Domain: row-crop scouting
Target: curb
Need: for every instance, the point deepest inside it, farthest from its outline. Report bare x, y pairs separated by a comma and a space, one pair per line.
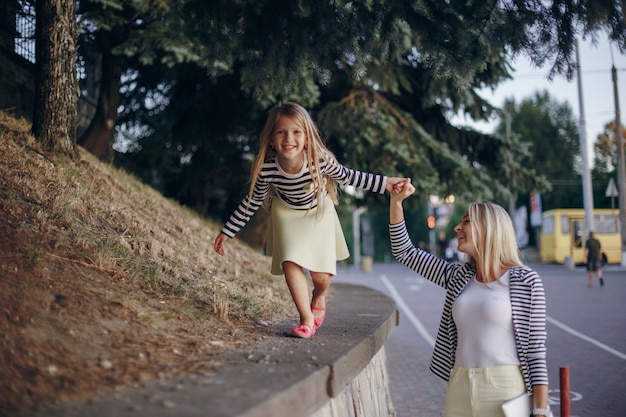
280, 376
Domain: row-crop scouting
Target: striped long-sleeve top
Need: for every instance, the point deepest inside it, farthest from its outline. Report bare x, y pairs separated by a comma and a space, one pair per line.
528, 306
296, 190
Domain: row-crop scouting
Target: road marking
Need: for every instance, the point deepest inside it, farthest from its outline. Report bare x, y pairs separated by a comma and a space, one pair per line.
407, 311
586, 338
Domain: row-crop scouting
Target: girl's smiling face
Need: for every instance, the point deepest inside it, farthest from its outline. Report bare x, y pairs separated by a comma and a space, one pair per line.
289, 140
464, 236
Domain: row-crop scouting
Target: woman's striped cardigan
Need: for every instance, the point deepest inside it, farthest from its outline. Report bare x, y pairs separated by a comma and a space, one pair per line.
527, 302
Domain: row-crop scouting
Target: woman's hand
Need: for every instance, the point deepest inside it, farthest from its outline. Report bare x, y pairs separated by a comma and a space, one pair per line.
219, 243
394, 183
400, 191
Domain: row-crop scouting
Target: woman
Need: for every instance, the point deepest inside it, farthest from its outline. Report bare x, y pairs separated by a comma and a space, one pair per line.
491, 341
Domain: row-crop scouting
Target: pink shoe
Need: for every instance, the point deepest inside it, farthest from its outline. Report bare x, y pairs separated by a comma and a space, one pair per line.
319, 320
303, 331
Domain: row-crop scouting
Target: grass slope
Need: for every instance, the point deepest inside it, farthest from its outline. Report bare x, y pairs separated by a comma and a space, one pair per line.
104, 282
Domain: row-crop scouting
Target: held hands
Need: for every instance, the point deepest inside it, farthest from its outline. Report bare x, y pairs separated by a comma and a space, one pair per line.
219, 243
401, 190
392, 183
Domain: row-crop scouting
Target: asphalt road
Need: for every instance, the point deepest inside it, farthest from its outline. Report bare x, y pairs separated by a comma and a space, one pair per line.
586, 338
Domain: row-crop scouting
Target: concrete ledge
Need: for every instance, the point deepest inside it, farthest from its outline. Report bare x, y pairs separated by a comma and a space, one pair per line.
281, 376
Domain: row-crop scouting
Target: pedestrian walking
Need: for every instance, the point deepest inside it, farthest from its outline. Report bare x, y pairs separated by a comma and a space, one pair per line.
593, 259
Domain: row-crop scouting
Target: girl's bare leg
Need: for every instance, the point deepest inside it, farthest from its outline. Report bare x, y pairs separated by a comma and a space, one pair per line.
299, 289
321, 282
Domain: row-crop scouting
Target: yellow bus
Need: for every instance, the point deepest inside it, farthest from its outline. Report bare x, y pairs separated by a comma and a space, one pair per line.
563, 234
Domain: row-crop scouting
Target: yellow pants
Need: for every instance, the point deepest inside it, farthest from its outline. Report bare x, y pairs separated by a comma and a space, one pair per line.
480, 392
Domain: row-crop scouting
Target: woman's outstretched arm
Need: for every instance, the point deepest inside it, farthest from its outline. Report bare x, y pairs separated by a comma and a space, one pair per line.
396, 197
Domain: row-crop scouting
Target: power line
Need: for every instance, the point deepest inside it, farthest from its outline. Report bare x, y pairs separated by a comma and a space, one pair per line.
596, 71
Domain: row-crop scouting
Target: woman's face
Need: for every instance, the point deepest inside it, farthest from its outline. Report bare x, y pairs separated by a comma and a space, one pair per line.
464, 236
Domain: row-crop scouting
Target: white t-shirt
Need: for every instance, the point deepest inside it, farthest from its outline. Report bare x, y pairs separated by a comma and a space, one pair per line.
483, 317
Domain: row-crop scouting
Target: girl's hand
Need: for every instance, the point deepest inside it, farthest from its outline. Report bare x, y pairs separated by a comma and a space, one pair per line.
394, 184
402, 190
219, 243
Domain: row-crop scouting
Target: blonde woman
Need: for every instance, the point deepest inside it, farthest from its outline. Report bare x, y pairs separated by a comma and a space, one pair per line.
490, 347
300, 175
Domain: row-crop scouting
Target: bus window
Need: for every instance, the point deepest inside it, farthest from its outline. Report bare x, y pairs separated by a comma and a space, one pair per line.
605, 223
547, 225
578, 235
565, 224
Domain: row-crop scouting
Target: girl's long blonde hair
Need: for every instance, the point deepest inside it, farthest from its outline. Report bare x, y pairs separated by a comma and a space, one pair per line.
493, 236
314, 148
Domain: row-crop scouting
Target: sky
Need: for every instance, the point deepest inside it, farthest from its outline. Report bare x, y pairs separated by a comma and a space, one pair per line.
597, 88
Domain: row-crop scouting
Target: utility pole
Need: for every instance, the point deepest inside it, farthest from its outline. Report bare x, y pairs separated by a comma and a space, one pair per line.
621, 175
356, 232
586, 175
512, 199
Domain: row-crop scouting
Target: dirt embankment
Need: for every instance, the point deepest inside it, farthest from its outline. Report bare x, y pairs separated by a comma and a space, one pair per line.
103, 282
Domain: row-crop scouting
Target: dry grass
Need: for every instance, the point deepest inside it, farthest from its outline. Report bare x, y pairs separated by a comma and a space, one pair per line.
103, 282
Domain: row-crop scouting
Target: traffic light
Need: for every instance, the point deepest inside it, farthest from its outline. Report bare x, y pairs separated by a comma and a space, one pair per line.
431, 221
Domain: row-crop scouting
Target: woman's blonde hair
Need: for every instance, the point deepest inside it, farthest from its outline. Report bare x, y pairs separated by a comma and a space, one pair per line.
315, 149
493, 236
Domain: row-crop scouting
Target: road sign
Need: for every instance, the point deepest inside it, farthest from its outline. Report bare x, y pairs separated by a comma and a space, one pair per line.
611, 190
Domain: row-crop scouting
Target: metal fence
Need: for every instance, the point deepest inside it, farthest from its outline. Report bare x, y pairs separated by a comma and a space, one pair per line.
25, 30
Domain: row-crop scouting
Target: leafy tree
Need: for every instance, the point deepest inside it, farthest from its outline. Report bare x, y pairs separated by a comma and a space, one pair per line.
550, 130
453, 39
606, 149
381, 77
378, 90
124, 32
605, 165
291, 48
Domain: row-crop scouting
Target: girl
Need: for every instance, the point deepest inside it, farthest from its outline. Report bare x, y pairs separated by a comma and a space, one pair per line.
300, 175
491, 341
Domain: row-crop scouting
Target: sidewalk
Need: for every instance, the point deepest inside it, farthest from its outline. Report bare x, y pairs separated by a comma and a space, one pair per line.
278, 376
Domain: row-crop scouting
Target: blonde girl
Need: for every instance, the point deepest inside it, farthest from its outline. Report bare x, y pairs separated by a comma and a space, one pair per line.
299, 175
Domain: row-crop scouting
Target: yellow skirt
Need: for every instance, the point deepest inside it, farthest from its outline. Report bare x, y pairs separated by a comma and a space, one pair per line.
314, 239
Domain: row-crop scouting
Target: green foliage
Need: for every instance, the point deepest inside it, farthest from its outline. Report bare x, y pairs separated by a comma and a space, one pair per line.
606, 148
548, 131
381, 77
605, 165
292, 48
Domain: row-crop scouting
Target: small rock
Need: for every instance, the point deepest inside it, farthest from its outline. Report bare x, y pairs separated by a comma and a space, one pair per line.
169, 404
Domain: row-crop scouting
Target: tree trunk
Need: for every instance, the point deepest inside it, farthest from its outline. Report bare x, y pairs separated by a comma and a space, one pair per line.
56, 86
98, 138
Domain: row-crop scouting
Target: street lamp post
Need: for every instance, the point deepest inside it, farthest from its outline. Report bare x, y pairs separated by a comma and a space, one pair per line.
621, 175
586, 174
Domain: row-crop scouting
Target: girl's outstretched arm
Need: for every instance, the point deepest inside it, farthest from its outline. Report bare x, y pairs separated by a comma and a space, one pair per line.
399, 192
219, 243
